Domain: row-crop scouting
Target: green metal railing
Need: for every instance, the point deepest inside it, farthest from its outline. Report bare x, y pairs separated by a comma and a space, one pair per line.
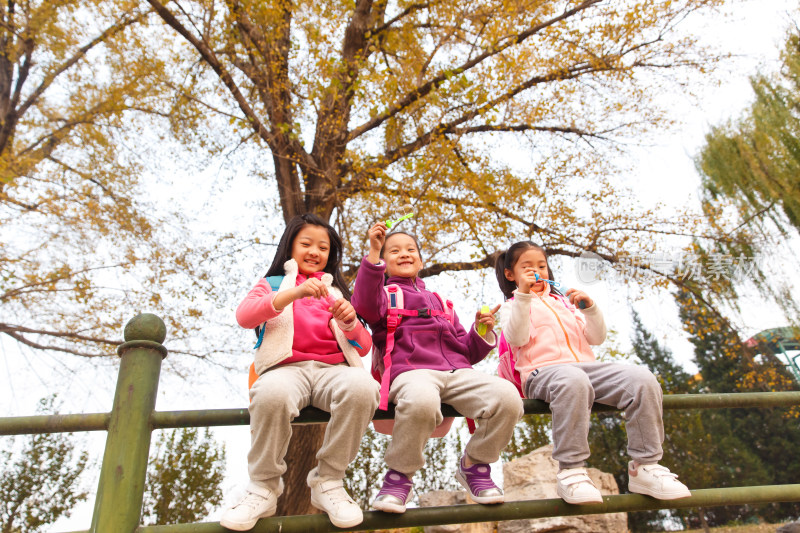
133, 418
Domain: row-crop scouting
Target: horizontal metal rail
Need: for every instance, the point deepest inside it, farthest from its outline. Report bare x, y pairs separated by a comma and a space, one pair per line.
311, 415
18, 425
519, 510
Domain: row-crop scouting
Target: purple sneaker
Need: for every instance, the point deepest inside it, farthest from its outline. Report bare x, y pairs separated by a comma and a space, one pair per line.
394, 493
477, 479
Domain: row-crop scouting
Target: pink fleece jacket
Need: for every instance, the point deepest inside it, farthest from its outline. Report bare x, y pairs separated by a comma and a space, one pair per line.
313, 338
545, 329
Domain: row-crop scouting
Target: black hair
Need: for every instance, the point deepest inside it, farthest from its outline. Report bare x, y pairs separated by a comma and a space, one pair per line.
413, 237
509, 258
284, 251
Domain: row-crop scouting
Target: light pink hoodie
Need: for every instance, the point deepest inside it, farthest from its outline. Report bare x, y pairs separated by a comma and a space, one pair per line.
545, 329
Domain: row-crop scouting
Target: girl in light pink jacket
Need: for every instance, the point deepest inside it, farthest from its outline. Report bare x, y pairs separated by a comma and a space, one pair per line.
550, 343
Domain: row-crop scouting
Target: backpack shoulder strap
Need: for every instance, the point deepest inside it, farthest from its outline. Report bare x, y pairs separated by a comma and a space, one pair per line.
394, 296
274, 284
447, 305
394, 302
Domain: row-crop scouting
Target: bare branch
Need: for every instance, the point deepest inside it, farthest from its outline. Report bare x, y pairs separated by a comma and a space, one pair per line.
9, 328
49, 281
27, 342
461, 266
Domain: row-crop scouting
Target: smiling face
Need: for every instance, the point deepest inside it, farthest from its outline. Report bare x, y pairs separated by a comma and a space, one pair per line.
310, 248
401, 255
531, 260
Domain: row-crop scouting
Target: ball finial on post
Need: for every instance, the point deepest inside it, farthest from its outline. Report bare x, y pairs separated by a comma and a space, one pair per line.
145, 327
144, 331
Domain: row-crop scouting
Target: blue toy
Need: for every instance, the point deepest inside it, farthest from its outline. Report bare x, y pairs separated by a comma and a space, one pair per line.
562, 289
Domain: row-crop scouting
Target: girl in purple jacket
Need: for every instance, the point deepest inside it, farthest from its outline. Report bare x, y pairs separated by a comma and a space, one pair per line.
431, 362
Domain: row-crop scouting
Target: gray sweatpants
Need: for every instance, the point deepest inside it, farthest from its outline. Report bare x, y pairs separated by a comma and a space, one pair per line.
351, 396
571, 388
492, 402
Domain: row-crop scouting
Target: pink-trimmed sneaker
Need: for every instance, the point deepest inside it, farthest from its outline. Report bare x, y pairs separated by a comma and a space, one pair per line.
656, 481
394, 494
477, 479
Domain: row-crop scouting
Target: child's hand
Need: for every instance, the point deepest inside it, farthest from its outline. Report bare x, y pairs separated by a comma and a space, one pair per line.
343, 311
377, 238
312, 287
486, 319
526, 281
575, 297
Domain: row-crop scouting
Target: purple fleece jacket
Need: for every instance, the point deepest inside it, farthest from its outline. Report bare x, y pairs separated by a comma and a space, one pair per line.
431, 343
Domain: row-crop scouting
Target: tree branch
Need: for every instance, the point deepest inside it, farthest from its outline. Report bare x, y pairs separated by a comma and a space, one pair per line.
210, 58
77, 56
433, 84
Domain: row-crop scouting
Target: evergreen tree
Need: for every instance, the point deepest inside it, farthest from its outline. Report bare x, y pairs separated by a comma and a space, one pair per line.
183, 477
752, 444
40, 484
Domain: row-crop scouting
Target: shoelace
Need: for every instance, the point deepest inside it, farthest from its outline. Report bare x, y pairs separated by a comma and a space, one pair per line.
339, 495
251, 501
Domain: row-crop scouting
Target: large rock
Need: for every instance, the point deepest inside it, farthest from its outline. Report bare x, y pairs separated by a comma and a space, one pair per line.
533, 477
445, 498
791, 527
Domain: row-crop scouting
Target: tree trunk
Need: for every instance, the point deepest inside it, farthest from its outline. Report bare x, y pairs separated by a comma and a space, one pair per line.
703, 521
300, 459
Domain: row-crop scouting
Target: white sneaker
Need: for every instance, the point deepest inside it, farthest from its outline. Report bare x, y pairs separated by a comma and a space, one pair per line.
330, 496
656, 481
574, 486
258, 502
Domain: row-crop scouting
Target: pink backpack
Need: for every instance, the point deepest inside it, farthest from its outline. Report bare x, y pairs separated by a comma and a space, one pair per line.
507, 369
394, 316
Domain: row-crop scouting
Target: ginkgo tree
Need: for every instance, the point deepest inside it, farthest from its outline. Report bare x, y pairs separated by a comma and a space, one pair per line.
493, 121
371, 105
84, 96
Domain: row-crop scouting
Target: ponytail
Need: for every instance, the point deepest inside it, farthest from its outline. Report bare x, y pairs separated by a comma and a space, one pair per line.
507, 286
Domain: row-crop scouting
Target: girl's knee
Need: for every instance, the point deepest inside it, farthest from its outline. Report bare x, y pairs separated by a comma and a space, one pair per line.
362, 391
645, 381
506, 398
421, 409
273, 398
573, 379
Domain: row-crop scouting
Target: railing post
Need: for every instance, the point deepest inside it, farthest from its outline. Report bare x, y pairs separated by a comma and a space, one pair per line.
120, 491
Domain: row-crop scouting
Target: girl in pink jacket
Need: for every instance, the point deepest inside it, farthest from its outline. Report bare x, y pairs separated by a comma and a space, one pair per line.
550, 344
309, 353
